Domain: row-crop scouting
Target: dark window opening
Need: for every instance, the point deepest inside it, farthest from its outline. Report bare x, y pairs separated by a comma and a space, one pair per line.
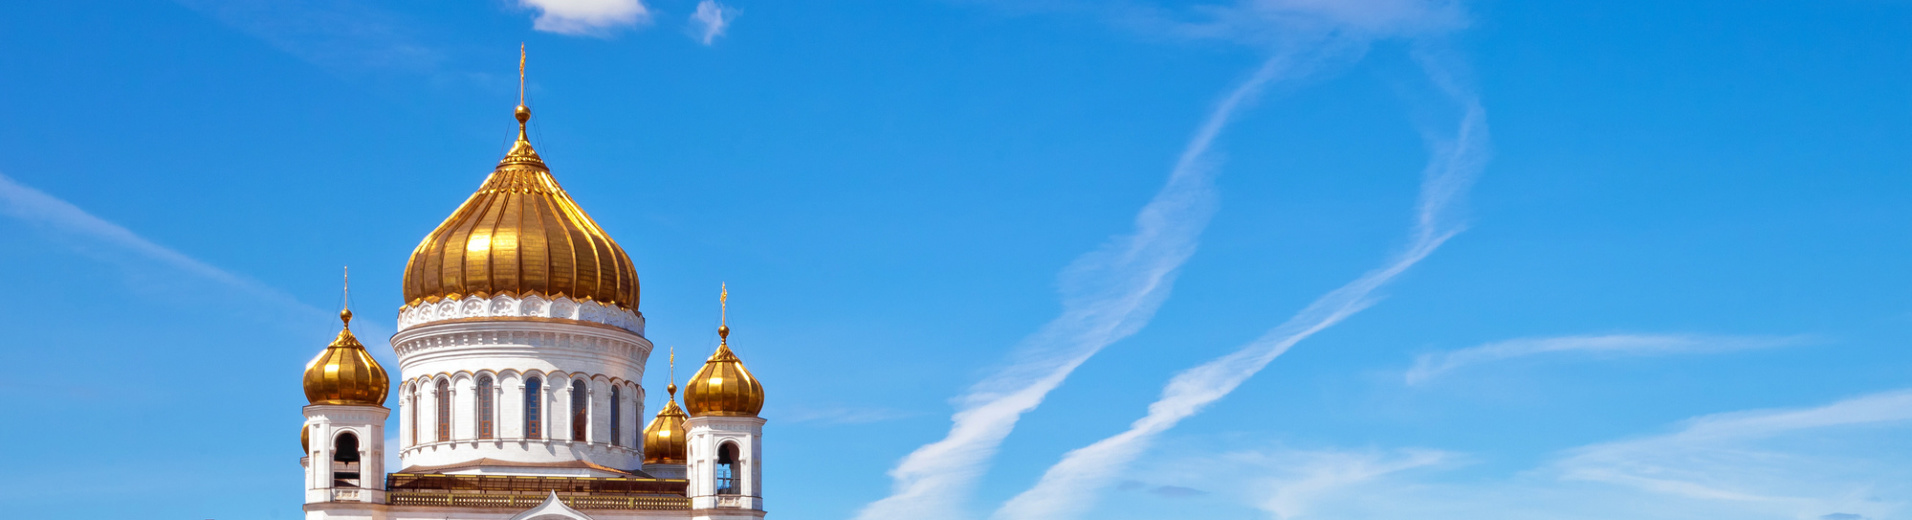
414, 405
727, 473
345, 461
444, 410
533, 409
617, 406
484, 407
579, 402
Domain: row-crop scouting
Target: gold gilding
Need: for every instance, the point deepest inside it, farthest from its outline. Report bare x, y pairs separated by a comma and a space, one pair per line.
664, 438
521, 234
344, 373
723, 386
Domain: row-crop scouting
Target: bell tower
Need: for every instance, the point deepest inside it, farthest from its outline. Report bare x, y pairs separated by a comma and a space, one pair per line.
725, 436
344, 433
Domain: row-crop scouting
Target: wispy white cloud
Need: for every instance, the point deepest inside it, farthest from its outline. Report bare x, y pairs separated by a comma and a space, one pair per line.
1108, 295
1431, 365
1840, 461
31, 205
336, 35
1310, 477
1068, 487
710, 20
587, 17
24, 203
1264, 21
842, 414
1723, 457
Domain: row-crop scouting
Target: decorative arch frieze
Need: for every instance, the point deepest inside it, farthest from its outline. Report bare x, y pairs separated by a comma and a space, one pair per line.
509, 306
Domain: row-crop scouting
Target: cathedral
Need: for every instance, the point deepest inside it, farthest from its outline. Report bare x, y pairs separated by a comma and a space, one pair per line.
521, 356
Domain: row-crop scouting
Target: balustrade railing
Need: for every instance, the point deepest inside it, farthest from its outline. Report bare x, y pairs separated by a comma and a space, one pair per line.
520, 491
517, 501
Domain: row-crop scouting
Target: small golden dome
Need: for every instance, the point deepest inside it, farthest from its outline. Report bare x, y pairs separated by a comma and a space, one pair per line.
723, 386
305, 437
520, 234
344, 373
664, 438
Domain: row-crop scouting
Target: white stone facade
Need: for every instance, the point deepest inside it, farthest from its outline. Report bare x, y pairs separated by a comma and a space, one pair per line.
706, 438
528, 425
326, 425
532, 306
466, 405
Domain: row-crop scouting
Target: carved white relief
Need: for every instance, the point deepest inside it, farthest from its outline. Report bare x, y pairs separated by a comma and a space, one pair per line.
531, 307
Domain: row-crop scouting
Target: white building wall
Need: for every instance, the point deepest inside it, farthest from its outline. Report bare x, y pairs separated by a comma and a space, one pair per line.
705, 434
601, 354
511, 405
326, 423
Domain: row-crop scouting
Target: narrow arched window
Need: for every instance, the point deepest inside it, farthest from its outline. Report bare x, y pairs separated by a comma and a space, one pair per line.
444, 410
727, 469
484, 407
345, 460
617, 408
579, 403
414, 406
533, 411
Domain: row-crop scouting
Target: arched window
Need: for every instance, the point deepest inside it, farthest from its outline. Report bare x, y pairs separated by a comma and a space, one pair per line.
444, 410
414, 406
617, 407
727, 473
533, 409
345, 460
579, 403
484, 407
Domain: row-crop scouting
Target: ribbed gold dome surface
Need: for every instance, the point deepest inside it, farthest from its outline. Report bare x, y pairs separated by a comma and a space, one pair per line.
664, 438
520, 234
723, 386
344, 373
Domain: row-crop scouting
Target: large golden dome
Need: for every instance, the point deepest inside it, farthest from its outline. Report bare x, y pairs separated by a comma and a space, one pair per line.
664, 438
723, 386
344, 373
520, 234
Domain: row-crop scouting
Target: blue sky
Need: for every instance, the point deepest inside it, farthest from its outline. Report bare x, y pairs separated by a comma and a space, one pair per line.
1502, 259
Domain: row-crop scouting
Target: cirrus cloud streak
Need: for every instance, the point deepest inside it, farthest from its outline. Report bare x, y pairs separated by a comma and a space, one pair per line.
1432, 365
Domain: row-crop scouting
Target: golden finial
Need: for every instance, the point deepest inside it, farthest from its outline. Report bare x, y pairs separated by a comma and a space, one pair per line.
672, 386
523, 113
345, 313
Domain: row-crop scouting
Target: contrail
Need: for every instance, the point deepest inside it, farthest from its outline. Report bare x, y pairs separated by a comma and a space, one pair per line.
1432, 365
25, 203
1067, 488
1108, 295
31, 205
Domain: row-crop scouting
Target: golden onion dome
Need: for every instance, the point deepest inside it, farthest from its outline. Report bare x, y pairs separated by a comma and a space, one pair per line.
344, 373
664, 438
723, 386
520, 234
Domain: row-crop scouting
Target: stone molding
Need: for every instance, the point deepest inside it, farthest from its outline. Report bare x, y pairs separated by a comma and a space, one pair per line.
532, 306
